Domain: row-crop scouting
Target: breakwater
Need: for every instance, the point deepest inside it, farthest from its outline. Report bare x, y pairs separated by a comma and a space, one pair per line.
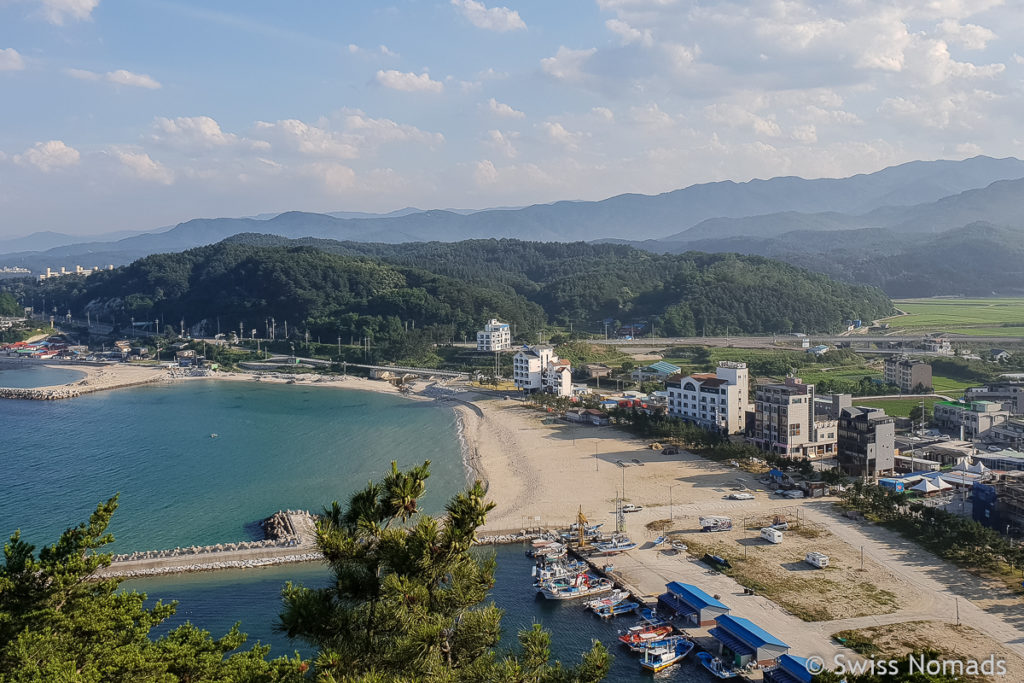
290, 537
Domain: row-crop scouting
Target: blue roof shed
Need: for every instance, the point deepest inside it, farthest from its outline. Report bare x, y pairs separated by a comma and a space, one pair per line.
744, 641
789, 670
690, 602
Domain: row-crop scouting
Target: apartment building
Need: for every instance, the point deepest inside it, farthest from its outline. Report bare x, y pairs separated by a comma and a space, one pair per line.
537, 368
999, 504
785, 421
1010, 394
908, 374
977, 418
718, 401
866, 441
496, 336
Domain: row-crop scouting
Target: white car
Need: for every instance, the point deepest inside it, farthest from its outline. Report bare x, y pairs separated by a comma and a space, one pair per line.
741, 496
629, 507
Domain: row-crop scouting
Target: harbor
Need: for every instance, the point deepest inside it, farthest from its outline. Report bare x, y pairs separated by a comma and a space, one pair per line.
670, 604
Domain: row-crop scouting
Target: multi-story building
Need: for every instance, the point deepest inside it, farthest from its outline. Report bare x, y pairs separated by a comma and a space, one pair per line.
937, 345
866, 441
1010, 394
976, 418
537, 368
496, 336
716, 401
999, 504
785, 421
907, 374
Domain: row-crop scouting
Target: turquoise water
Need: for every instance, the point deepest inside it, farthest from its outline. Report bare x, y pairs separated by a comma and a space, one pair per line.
276, 447
31, 377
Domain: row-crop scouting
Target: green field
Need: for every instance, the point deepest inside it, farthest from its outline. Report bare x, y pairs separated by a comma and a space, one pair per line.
976, 317
896, 407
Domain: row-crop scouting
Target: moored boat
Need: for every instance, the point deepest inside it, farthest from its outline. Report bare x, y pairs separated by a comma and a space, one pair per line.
620, 607
715, 666
664, 653
617, 595
638, 637
618, 544
579, 586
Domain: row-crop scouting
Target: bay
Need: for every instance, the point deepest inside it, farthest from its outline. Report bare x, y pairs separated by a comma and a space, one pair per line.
31, 377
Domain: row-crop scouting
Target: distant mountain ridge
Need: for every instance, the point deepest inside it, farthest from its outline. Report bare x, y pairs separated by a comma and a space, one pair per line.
916, 197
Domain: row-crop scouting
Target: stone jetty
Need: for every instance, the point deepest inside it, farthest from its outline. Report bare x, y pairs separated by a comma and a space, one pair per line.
290, 537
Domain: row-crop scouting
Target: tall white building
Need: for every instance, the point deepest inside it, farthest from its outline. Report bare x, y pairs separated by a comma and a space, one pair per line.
496, 336
714, 401
537, 368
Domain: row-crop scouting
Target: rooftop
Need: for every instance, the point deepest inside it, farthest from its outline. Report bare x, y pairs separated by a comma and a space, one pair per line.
747, 631
693, 596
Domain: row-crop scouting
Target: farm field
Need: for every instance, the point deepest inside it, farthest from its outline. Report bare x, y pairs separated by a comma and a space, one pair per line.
976, 317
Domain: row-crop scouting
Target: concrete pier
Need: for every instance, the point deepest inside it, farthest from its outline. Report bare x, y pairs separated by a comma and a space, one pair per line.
291, 537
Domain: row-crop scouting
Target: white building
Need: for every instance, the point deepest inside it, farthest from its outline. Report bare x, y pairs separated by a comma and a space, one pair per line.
496, 336
717, 401
537, 368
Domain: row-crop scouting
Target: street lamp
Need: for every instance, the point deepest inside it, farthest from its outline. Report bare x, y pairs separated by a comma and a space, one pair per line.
670, 504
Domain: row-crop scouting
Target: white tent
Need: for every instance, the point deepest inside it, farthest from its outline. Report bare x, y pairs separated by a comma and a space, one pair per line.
931, 486
966, 464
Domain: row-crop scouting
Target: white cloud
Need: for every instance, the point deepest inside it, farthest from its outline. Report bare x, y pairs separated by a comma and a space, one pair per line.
408, 82
567, 64
806, 133
1018, 58
628, 34
557, 133
10, 60
122, 77
306, 140
503, 142
353, 48
119, 77
386, 51
49, 156
501, 109
603, 113
651, 115
378, 131
335, 178
485, 173
56, 11
192, 131
501, 19
736, 116
970, 36
143, 167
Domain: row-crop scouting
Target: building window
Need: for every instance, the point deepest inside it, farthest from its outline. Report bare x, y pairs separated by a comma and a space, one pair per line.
794, 430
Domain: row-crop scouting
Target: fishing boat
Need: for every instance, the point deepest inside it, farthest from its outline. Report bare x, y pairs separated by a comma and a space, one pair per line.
659, 540
617, 544
715, 666
664, 653
617, 595
638, 637
620, 607
546, 570
679, 546
579, 586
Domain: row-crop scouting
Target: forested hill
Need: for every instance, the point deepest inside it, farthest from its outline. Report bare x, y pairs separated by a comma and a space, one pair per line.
336, 288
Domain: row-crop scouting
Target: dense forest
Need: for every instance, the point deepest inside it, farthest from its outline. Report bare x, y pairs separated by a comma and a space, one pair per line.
446, 290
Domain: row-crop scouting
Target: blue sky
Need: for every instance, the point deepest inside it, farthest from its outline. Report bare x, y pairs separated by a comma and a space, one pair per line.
137, 114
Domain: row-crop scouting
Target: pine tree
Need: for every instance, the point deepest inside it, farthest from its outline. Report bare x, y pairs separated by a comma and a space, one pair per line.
59, 623
406, 601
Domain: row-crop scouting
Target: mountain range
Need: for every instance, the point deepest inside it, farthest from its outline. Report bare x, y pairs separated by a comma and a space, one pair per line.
832, 225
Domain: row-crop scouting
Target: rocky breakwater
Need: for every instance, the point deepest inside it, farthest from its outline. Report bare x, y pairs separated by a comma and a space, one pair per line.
290, 537
45, 394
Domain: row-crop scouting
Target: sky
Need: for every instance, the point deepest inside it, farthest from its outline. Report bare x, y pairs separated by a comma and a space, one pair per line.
136, 114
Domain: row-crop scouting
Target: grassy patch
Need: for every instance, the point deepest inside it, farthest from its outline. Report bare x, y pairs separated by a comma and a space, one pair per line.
896, 407
659, 525
963, 316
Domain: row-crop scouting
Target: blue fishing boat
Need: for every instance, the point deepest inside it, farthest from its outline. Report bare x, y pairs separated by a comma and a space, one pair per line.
715, 666
662, 654
621, 607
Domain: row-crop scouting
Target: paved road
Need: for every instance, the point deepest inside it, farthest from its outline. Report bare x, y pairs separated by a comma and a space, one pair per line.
768, 342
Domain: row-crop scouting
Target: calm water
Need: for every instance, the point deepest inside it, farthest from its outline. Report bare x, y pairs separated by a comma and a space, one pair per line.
216, 601
276, 447
32, 377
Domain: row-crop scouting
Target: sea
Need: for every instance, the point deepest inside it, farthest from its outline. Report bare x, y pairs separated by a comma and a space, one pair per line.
202, 462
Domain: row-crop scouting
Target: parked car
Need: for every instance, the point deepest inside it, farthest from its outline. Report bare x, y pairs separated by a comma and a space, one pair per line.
629, 507
740, 496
